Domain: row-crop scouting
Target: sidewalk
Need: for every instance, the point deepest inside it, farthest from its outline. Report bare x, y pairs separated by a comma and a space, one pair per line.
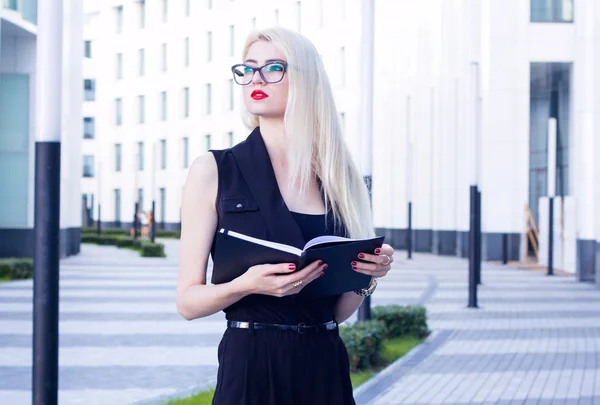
533, 340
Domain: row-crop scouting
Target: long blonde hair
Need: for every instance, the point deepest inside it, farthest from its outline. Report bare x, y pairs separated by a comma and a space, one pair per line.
313, 130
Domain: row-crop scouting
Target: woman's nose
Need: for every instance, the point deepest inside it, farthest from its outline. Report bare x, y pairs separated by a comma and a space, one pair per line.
257, 78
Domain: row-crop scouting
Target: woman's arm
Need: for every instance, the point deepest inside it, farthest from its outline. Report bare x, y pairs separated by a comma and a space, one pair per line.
347, 304
198, 224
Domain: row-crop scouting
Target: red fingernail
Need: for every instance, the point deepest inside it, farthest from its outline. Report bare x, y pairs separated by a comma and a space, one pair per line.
324, 267
321, 273
354, 268
353, 264
292, 266
377, 251
320, 262
361, 256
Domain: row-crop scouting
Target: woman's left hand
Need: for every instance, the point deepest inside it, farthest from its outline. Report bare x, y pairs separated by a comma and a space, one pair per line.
376, 265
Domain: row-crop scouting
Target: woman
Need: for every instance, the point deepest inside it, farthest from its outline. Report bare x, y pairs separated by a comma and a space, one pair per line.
291, 180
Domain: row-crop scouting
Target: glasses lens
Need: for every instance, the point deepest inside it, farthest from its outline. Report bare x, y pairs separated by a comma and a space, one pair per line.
273, 72
242, 74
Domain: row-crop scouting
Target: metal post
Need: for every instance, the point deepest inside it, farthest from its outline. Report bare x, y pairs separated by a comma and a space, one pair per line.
472, 244
135, 221
410, 232
99, 224
550, 271
367, 56
504, 248
47, 202
478, 238
153, 224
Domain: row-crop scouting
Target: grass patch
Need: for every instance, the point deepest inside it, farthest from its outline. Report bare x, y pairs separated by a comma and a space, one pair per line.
360, 377
203, 398
3, 279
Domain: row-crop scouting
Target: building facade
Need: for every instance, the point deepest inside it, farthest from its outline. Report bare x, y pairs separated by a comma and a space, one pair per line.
464, 93
18, 31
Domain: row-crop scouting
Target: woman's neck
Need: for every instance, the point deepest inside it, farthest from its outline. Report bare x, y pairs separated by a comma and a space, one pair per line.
273, 134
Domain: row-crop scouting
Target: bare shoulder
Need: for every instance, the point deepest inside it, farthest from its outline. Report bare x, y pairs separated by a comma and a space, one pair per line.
202, 178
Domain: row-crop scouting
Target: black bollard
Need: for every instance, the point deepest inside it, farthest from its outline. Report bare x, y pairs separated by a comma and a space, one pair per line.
472, 248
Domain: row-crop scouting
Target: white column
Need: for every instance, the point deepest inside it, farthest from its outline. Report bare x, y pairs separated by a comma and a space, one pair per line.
367, 87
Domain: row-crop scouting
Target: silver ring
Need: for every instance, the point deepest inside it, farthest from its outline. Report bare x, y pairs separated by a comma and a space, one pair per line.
296, 284
389, 259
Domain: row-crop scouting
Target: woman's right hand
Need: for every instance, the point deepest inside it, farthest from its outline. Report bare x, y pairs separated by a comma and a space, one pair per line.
271, 279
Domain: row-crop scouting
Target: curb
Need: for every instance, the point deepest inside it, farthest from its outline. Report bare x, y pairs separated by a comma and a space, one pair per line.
377, 385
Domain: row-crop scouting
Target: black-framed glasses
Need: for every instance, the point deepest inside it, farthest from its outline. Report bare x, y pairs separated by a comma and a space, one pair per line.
271, 72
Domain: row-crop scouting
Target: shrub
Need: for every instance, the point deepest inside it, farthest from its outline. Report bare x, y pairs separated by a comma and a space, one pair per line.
16, 269
168, 234
402, 321
363, 342
153, 250
125, 242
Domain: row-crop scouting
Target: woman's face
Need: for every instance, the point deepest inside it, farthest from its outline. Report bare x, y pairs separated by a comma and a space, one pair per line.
262, 98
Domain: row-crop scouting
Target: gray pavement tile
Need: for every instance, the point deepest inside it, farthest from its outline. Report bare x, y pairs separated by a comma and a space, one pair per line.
522, 315
83, 299
100, 317
518, 334
137, 340
112, 378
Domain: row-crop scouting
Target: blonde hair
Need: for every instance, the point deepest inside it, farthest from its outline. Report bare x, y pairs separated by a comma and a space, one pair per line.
313, 130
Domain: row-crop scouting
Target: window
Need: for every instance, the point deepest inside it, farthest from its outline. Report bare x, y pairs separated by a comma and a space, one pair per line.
552, 11
119, 111
118, 206
142, 61
141, 14
343, 122
186, 52
165, 10
89, 89
207, 141
209, 46
186, 152
231, 101
276, 17
299, 16
231, 40
141, 109
253, 23
209, 4
342, 65
208, 94
119, 19
87, 49
163, 206
187, 8
88, 128
163, 154
230, 138
163, 105
117, 157
164, 57
140, 153
320, 13
140, 199
119, 66
88, 166
186, 102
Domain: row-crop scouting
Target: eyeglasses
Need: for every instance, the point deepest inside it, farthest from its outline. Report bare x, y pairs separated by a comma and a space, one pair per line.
271, 72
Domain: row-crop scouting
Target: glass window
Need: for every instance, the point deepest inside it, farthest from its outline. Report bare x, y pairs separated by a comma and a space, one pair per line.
164, 57
163, 154
142, 61
142, 14
119, 18
231, 40
119, 111
230, 138
88, 128
119, 66
186, 102
118, 206
209, 4
209, 46
165, 10
552, 11
342, 66
140, 199
208, 100
88, 166
231, 98
187, 8
186, 52
141, 109
140, 146
118, 157
89, 89
186, 152
550, 97
163, 206
207, 141
163, 105
299, 16
87, 49
276, 16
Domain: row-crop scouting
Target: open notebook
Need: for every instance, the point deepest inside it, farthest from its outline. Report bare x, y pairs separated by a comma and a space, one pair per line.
236, 252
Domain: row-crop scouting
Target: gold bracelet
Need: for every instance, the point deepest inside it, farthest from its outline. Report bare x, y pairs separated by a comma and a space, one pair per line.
365, 292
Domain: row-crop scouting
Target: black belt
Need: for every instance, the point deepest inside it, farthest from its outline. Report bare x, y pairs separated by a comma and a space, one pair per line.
300, 328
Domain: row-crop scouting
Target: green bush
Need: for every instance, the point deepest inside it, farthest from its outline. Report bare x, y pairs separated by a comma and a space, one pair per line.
402, 321
125, 242
153, 250
168, 234
105, 231
363, 342
16, 269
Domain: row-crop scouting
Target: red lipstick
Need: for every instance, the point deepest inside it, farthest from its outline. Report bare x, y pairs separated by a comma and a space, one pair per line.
258, 95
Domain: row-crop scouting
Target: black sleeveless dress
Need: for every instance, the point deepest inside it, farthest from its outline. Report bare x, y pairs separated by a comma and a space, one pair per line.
271, 367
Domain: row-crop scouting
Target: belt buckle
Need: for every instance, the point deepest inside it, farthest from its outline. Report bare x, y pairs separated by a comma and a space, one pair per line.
301, 327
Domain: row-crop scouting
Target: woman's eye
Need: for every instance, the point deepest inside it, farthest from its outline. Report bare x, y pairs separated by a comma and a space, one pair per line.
247, 70
275, 68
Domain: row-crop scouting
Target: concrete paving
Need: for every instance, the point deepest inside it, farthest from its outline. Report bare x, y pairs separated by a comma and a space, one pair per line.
533, 339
